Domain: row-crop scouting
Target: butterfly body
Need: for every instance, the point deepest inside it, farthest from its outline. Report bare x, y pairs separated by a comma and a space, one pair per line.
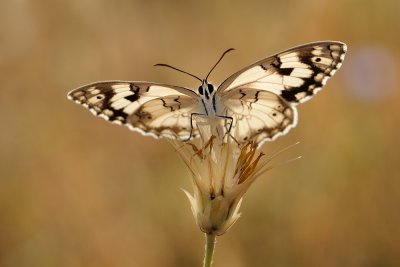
207, 97
211, 108
257, 103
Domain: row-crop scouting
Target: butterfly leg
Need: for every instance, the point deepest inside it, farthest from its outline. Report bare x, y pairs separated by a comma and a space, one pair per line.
228, 131
227, 118
191, 125
200, 123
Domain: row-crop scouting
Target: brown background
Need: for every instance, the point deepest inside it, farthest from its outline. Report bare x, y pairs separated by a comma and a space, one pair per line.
77, 191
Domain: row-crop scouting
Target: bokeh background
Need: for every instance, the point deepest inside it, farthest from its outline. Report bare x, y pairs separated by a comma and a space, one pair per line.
77, 191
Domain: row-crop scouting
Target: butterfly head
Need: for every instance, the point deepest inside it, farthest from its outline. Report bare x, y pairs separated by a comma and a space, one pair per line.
206, 89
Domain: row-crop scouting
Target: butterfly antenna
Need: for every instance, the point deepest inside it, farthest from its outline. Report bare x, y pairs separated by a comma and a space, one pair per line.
230, 49
169, 66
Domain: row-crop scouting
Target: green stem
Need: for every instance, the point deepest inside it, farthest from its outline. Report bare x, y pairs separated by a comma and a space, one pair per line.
209, 250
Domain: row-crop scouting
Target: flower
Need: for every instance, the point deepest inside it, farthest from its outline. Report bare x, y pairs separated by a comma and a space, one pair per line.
222, 170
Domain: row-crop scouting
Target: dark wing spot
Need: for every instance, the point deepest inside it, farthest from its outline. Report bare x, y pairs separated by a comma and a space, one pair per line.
256, 96
132, 98
241, 92
290, 95
286, 71
276, 63
318, 59
118, 115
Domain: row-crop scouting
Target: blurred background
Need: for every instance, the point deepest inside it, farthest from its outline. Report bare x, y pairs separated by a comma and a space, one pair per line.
77, 191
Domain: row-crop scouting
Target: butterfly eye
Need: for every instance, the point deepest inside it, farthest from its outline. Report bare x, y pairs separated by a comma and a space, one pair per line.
201, 90
210, 88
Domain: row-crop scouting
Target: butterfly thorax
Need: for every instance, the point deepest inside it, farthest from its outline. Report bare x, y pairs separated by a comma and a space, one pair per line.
208, 99
210, 108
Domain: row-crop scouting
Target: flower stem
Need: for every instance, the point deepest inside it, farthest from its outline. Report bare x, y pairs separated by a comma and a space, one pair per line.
209, 250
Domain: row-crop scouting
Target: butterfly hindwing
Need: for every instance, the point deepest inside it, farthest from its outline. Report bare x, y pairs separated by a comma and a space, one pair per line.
259, 115
169, 116
152, 109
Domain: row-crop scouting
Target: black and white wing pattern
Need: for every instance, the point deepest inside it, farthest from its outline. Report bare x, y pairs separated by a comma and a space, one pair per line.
151, 109
261, 98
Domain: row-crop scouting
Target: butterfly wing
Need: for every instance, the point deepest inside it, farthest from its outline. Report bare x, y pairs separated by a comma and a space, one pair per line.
151, 109
278, 83
259, 115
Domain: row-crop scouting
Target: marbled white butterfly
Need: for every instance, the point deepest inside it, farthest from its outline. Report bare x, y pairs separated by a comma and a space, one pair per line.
258, 102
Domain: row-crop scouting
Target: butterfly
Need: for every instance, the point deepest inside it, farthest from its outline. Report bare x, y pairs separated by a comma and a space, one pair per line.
258, 102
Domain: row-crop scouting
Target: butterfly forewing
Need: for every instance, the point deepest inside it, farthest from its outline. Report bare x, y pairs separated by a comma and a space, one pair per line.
293, 76
152, 109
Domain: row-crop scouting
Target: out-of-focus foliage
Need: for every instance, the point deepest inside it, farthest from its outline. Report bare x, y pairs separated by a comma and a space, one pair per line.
77, 191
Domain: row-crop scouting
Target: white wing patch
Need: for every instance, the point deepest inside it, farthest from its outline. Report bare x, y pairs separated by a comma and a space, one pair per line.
247, 76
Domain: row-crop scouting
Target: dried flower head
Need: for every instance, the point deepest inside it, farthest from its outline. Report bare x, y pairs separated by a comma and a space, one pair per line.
222, 170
